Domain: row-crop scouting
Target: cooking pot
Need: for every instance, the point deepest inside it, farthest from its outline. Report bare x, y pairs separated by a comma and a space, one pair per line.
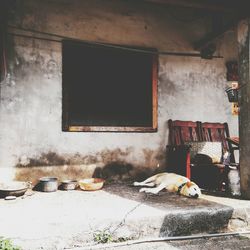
69, 185
48, 184
13, 188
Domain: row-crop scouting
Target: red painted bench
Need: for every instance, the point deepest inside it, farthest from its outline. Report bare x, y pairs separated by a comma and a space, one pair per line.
211, 176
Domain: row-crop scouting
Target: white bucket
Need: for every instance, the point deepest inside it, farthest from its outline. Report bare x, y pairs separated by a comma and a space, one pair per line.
234, 181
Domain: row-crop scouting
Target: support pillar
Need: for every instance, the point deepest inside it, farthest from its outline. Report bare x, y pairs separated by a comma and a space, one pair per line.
243, 38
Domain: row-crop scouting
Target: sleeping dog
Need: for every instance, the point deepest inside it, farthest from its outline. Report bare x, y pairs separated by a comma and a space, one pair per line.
172, 182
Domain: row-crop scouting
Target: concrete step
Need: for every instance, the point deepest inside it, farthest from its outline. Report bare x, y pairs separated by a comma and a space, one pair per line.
66, 219
170, 214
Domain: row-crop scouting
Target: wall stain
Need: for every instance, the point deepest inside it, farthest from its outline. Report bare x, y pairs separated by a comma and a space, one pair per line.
46, 159
152, 157
53, 159
51, 69
73, 172
112, 165
167, 86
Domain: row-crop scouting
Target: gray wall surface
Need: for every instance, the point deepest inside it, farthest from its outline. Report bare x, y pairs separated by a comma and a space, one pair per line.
31, 96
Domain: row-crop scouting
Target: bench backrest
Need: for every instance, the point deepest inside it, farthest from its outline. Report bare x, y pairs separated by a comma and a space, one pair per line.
183, 131
188, 131
215, 132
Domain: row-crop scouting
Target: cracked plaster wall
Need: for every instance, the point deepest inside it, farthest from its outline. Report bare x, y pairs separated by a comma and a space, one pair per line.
30, 109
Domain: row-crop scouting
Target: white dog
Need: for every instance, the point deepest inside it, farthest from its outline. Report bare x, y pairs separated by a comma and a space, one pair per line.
172, 182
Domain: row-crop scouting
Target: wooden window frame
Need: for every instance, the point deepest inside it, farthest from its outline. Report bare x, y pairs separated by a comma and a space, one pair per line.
69, 128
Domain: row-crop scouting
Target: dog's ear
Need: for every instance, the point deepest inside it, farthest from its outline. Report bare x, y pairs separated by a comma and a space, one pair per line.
189, 184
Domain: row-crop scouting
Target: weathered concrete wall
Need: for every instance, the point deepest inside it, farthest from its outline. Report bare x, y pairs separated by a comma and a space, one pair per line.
31, 97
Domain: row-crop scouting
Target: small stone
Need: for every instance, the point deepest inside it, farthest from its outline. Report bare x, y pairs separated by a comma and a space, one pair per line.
8, 198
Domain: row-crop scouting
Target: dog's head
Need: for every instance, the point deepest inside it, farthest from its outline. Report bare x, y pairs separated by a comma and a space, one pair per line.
190, 189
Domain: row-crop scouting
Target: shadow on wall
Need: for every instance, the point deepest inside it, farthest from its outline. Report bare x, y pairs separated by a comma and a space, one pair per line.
114, 171
123, 172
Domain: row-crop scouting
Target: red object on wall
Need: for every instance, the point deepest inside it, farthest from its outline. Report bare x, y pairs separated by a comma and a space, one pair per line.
232, 71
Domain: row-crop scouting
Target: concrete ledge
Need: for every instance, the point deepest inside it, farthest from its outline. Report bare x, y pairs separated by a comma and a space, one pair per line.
172, 214
66, 219
240, 218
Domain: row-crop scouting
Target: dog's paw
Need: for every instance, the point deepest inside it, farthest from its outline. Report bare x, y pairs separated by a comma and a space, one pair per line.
142, 190
136, 183
152, 191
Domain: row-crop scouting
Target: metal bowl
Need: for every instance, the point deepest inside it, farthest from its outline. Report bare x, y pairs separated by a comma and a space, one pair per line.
69, 185
91, 184
48, 184
13, 188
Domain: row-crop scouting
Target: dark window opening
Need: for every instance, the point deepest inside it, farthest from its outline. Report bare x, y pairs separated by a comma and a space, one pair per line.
107, 88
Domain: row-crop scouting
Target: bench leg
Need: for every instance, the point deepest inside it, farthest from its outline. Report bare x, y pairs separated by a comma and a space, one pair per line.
188, 166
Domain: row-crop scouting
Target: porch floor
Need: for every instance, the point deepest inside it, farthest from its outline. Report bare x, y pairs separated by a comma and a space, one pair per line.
68, 219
